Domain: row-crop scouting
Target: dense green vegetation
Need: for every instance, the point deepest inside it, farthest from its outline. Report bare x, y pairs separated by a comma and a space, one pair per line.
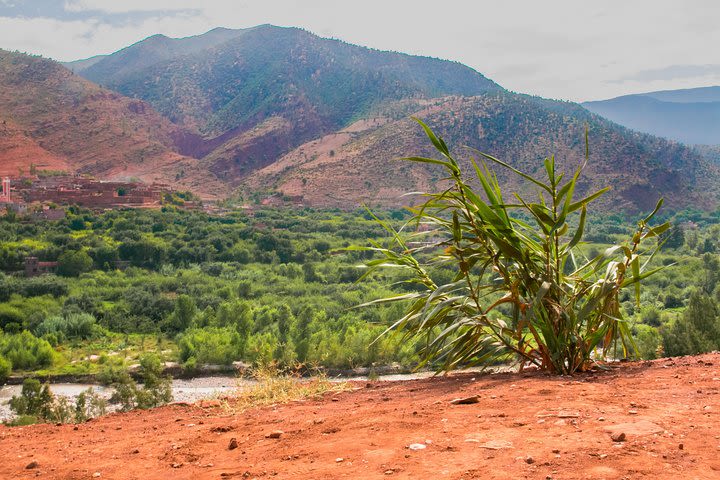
275, 286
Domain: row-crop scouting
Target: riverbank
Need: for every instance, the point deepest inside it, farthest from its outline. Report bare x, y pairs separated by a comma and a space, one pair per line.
236, 369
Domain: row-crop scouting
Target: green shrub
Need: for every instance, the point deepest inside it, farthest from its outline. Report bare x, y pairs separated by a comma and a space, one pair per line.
156, 388
70, 326
11, 318
25, 351
5, 369
23, 421
89, 404
43, 285
697, 330
214, 345
35, 399
521, 287
73, 263
648, 341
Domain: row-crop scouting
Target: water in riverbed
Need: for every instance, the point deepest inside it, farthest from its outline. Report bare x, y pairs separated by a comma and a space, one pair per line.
190, 390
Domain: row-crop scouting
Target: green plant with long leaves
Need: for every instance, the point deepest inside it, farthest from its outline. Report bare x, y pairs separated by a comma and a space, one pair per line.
522, 287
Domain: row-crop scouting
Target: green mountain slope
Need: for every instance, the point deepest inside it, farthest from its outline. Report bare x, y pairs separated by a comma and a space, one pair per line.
227, 82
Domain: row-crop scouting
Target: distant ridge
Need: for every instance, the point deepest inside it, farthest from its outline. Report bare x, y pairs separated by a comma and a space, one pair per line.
690, 116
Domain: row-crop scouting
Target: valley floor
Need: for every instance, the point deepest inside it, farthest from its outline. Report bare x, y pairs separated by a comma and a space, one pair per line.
525, 426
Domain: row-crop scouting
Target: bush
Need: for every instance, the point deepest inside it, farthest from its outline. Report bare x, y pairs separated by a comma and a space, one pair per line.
5, 369
25, 351
697, 330
36, 403
517, 289
214, 345
70, 326
72, 264
43, 285
34, 400
89, 404
156, 389
11, 318
648, 341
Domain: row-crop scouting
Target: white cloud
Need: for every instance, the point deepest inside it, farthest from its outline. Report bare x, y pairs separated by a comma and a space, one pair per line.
559, 49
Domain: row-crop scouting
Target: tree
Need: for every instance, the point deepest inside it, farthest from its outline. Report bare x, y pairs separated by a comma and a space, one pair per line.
73, 263
5, 369
513, 292
696, 331
675, 237
184, 313
34, 400
156, 389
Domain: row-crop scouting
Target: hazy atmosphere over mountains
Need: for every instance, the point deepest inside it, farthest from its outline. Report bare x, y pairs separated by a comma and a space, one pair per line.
689, 115
270, 109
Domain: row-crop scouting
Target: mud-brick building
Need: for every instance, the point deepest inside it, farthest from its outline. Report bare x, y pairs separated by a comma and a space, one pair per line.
34, 267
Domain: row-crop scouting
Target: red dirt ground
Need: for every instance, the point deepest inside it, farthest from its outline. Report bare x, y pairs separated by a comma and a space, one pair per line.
525, 426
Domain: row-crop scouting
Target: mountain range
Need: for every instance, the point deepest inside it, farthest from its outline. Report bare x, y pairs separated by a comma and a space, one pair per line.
690, 116
279, 111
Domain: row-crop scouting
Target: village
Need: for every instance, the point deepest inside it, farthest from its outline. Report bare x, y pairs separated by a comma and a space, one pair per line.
19, 193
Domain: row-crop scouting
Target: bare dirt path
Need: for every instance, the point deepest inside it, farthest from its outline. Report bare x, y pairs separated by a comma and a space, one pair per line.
524, 426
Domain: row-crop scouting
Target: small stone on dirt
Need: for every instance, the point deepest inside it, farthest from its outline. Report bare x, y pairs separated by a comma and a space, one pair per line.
32, 465
618, 437
222, 429
529, 460
97, 475
233, 444
496, 444
275, 434
417, 446
339, 460
465, 400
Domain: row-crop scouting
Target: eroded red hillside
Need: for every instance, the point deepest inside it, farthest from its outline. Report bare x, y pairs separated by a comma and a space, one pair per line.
59, 121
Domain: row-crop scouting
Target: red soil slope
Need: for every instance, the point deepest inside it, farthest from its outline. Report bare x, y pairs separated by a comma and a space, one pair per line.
58, 121
18, 152
525, 426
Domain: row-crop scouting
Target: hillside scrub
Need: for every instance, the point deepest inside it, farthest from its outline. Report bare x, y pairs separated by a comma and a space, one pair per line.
522, 286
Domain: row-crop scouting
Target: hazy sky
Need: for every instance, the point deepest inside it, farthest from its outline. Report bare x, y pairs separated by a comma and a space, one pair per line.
575, 50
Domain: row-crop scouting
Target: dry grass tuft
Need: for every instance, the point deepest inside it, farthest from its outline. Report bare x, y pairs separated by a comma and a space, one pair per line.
274, 386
